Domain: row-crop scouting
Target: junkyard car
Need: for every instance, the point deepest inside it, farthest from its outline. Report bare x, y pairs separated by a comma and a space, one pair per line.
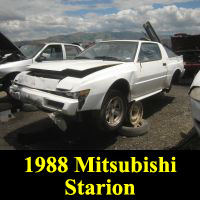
14, 60
101, 81
188, 46
195, 101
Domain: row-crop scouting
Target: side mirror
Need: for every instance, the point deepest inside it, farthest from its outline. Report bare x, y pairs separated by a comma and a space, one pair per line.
41, 58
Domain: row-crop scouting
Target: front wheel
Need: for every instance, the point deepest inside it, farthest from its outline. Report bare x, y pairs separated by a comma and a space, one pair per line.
8, 82
113, 111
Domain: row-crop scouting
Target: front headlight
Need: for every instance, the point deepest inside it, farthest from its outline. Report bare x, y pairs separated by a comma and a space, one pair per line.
75, 95
195, 93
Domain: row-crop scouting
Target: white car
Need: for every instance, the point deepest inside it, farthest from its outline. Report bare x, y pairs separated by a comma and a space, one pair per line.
195, 101
102, 81
14, 60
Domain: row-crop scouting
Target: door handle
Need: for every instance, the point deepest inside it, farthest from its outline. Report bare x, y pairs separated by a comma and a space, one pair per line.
165, 64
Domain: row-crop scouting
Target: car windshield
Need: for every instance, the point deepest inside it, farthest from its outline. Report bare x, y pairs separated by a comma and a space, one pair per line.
30, 50
117, 51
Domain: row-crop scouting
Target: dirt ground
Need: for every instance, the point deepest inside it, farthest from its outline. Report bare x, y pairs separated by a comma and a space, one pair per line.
169, 117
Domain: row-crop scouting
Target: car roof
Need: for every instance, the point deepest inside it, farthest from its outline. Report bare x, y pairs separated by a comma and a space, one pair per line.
147, 41
61, 43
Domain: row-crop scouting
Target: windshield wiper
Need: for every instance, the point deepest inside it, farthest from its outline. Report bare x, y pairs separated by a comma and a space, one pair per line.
107, 58
81, 57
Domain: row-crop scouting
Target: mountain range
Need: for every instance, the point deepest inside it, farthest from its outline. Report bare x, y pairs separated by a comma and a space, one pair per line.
93, 37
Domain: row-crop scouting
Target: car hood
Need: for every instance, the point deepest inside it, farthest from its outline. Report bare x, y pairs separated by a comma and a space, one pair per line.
7, 46
67, 74
76, 65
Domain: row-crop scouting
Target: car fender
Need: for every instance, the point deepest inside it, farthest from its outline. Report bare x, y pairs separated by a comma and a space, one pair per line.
96, 97
17, 66
99, 89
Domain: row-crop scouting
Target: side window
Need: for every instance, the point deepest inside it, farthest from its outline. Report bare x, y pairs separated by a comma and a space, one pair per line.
52, 52
149, 52
79, 51
170, 53
71, 51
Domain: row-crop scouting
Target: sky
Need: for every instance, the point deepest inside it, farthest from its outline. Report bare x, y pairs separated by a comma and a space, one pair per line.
37, 19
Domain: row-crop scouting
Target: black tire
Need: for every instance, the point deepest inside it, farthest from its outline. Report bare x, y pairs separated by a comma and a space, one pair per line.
8, 82
102, 123
134, 132
175, 81
176, 78
16, 104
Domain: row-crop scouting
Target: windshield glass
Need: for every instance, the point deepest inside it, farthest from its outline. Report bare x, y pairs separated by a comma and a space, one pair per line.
30, 50
116, 50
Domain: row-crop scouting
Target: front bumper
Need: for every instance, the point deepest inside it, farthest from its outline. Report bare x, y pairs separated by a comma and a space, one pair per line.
196, 114
45, 100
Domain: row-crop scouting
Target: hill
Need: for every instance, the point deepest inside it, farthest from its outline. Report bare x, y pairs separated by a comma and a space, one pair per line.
92, 37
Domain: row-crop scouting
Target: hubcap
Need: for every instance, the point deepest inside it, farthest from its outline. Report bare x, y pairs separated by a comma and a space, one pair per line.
136, 114
114, 111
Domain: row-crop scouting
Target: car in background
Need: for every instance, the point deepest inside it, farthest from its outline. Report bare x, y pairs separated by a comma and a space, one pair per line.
14, 60
195, 101
189, 47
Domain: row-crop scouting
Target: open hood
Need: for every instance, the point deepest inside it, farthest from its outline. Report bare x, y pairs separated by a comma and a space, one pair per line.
10, 49
188, 46
184, 42
151, 32
6, 46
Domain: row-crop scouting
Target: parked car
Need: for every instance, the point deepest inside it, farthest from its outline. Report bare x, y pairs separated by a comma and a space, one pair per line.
14, 60
195, 101
102, 81
189, 47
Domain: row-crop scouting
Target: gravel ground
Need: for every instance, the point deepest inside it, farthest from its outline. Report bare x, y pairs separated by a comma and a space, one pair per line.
169, 117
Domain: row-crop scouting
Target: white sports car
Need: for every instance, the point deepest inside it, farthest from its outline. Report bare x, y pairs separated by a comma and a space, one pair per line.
195, 101
103, 80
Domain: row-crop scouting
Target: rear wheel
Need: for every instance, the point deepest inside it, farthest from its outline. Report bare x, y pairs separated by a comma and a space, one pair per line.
175, 81
176, 78
113, 111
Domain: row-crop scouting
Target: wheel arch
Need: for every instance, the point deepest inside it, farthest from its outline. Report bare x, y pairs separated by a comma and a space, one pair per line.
123, 86
97, 100
176, 76
9, 76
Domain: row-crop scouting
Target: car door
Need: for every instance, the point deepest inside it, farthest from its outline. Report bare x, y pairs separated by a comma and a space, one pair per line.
152, 70
71, 51
51, 53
